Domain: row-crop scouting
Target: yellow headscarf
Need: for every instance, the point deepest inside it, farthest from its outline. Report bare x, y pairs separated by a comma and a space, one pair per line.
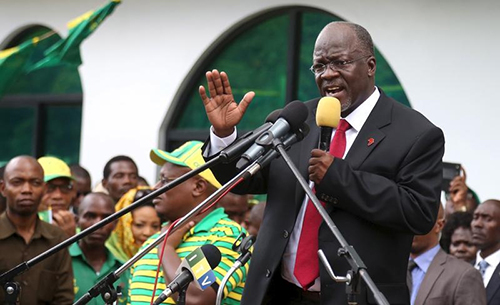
121, 242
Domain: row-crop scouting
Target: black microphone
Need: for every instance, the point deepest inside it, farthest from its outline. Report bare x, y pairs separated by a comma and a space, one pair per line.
229, 153
198, 266
327, 118
290, 119
288, 141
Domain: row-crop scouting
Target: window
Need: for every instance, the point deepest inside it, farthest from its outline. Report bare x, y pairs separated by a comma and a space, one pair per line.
40, 113
270, 54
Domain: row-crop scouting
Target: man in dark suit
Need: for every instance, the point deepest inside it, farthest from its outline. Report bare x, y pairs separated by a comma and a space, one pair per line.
382, 187
439, 278
486, 236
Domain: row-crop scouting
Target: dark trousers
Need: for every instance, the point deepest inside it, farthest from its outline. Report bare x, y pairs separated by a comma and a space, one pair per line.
286, 293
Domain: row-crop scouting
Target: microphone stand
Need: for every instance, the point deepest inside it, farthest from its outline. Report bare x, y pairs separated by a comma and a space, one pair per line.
181, 299
249, 171
346, 250
244, 248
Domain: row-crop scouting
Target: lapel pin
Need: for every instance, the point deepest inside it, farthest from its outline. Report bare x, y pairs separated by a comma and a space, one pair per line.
370, 141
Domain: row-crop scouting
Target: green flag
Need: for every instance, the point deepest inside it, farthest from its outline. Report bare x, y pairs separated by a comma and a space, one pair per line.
67, 51
13, 62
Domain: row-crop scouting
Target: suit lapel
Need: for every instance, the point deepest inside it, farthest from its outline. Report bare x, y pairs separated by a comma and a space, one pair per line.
433, 272
493, 284
370, 135
304, 151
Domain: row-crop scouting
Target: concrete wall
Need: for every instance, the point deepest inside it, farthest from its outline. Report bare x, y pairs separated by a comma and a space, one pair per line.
444, 53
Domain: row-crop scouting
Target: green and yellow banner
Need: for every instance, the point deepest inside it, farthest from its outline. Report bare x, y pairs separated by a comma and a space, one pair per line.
14, 62
67, 51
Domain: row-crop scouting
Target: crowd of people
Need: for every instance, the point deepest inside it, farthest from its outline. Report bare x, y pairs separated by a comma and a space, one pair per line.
46, 201
380, 183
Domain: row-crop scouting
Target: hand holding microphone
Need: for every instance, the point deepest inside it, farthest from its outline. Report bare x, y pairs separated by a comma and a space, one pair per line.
327, 118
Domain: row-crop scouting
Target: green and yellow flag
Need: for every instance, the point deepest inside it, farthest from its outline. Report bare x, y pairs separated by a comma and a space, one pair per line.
67, 51
13, 62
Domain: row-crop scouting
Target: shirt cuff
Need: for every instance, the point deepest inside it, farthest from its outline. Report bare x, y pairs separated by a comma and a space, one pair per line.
217, 144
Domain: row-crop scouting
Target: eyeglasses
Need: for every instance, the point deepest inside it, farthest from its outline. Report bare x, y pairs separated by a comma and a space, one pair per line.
335, 65
64, 188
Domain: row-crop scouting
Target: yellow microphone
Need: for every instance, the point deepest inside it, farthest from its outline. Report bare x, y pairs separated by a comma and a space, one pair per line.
327, 118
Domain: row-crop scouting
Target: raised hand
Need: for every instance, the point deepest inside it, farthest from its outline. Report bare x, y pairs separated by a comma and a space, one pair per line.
222, 111
458, 191
66, 221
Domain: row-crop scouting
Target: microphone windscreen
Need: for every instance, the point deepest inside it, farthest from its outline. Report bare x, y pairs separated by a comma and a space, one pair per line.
212, 254
328, 112
273, 116
295, 113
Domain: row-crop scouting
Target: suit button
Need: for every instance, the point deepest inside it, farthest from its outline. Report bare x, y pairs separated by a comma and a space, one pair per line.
335, 201
268, 273
285, 234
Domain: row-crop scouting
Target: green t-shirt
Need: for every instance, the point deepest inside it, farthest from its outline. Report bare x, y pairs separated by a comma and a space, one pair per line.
216, 229
85, 277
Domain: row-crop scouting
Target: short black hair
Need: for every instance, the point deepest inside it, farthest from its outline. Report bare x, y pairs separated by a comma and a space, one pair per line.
363, 36
78, 171
107, 167
453, 222
106, 197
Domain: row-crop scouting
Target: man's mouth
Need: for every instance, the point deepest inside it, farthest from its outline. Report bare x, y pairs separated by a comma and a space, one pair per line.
477, 236
97, 236
26, 201
332, 90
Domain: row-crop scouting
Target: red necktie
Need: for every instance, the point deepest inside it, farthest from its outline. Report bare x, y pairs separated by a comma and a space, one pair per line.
307, 264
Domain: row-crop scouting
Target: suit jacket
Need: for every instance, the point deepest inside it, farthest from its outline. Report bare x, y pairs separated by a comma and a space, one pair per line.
378, 197
493, 288
451, 281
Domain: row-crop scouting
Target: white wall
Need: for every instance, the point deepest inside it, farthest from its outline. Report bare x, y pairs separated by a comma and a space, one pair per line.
444, 53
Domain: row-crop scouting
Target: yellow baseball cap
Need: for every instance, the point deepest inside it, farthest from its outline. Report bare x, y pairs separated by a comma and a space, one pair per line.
54, 168
187, 155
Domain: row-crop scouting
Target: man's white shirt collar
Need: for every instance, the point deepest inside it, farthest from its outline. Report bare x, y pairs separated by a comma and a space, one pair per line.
358, 117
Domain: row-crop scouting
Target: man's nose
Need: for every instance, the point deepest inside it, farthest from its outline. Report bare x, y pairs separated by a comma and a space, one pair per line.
330, 71
27, 188
158, 185
476, 223
57, 193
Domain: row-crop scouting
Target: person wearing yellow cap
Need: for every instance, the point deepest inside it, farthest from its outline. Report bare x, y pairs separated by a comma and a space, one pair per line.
59, 194
212, 227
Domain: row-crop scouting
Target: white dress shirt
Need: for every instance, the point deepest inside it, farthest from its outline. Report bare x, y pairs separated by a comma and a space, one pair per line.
493, 260
356, 119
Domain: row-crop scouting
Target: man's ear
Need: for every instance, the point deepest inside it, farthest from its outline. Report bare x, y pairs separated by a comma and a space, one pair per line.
372, 66
104, 182
200, 186
2, 187
440, 224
